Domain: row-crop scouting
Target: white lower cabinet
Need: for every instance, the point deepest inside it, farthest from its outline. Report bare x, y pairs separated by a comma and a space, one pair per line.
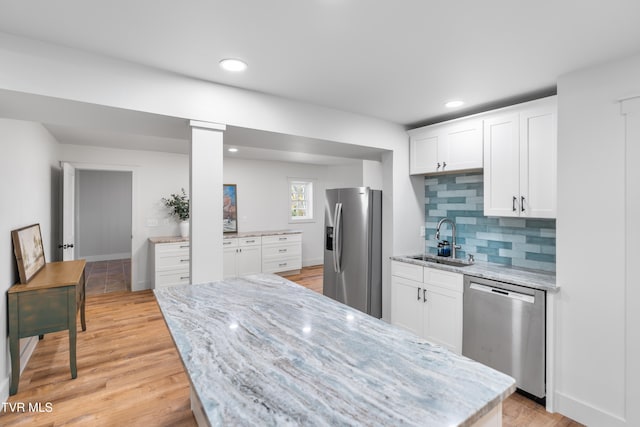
268, 253
241, 256
430, 307
281, 253
170, 264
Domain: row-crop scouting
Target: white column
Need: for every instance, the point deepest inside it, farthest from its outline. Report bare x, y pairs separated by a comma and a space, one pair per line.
205, 183
631, 112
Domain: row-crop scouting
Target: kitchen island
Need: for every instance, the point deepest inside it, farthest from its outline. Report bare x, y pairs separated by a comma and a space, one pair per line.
261, 350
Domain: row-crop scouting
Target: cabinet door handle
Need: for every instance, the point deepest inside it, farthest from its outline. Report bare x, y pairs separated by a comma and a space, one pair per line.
444, 165
522, 204
424, 295
513, 204
419, 294
438, 167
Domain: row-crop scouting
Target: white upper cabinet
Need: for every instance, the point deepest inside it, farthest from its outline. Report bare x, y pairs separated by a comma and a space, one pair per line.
446, 147
520, 169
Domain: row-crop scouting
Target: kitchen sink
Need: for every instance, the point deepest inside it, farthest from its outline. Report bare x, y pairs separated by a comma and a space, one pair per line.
441, 260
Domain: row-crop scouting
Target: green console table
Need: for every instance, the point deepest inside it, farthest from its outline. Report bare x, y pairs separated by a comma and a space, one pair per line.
48, 303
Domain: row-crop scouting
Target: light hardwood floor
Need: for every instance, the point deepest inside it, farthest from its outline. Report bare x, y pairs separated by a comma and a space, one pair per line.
129, 372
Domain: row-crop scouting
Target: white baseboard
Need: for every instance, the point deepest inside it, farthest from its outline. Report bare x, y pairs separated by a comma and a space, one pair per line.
109, 257
25, 354
312, 262
4, 389
586, 414
27, 351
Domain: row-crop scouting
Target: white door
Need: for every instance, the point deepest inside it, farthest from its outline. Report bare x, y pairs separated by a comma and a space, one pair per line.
424, 154
538, 166
68, 212
406, 304
229, 256
502, 166
443, 318
464, 143
249, 260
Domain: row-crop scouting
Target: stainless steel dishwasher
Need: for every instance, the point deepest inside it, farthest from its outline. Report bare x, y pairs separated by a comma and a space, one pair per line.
504, 328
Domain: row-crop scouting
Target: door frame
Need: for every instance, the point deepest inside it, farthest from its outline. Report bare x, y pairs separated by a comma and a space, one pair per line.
135, 238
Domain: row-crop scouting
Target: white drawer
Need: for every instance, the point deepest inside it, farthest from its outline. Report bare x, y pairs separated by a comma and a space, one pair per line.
249, 241
281, 251
230, 242
177, 247
281, 238
406, 270
172, 261
444, 279
286, 264
172, 277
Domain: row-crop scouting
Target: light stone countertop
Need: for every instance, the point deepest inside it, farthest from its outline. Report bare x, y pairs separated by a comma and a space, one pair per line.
261, 350
542, 280
168, 239
260, 233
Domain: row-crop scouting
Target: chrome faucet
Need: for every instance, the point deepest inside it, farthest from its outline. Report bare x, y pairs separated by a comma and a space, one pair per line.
453, 235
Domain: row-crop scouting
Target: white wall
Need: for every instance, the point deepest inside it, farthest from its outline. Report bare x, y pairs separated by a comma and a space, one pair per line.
592, 334
263, 197
155, 175
29, 189
103, 221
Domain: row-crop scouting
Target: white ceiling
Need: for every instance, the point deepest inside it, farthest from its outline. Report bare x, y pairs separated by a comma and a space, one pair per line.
397, 60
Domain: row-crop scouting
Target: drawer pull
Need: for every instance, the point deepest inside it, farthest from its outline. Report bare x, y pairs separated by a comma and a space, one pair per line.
184, 260
282, 238
282, 250
226, 243
282, 264
184, 277
184, 246
249, 241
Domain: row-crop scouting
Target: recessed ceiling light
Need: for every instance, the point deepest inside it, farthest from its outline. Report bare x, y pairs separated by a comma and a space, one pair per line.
233, 150
231, 64
454, 104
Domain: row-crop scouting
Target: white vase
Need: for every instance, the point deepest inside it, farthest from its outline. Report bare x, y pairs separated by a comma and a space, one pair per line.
184, 228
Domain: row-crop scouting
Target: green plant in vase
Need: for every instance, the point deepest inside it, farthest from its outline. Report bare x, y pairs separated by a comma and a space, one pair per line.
178, 205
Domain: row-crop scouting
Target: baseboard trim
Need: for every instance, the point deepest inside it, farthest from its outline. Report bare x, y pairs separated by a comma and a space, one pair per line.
586, 414
312, 262
4, 389
109, 257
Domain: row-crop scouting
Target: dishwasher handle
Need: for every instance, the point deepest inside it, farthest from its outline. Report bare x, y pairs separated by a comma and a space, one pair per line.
503, 292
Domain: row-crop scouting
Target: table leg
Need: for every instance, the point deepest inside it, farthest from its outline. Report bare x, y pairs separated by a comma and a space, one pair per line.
14, 343
82, 303
72, 331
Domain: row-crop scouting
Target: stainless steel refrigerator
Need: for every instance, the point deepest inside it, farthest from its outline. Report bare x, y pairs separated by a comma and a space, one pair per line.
353, 248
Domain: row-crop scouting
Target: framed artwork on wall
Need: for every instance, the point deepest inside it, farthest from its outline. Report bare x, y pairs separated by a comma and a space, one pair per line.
29, 251
229, 208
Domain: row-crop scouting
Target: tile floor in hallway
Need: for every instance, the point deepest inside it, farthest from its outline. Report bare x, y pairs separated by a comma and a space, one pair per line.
108, 276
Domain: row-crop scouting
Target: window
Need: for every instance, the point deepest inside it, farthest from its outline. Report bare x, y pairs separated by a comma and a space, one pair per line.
300, 201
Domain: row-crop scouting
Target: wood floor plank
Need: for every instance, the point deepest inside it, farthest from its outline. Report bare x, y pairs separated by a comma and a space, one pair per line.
129, 371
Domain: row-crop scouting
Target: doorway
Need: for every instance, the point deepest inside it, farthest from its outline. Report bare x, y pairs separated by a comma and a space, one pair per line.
100, 218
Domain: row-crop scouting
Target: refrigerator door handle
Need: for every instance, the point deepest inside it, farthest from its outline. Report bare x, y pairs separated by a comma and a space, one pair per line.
337, 239
334, 249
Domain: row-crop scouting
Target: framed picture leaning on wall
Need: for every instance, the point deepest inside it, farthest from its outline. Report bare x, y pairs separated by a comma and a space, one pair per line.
29, 251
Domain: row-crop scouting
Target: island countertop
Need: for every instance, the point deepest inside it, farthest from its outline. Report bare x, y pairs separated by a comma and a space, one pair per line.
261, 350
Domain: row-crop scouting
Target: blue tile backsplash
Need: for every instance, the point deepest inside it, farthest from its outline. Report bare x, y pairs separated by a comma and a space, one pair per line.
519, 242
